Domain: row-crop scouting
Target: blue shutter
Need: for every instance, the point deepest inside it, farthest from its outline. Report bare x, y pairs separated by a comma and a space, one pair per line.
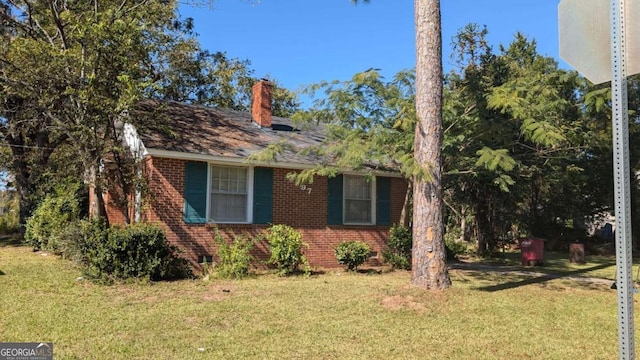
262, 195
334, 201
195, 192
383, 201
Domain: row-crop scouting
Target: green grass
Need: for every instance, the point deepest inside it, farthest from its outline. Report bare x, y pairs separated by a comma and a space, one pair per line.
334, 315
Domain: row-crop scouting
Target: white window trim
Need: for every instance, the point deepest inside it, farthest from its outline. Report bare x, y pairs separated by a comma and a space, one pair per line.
249, 219
373, 202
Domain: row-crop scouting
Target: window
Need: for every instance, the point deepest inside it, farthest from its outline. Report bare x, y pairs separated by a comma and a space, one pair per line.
352, 200
358, 200
229, 194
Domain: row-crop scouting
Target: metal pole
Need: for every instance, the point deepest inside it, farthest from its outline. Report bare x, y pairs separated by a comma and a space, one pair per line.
620, 118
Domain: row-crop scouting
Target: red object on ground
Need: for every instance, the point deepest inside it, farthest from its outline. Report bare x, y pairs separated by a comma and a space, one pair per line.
532, 250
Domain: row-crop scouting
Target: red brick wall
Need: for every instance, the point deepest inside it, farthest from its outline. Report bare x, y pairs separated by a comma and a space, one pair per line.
299, 206
115, 213
305, 209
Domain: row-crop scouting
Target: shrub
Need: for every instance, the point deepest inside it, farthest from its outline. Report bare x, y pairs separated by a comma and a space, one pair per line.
52, 216
398, 251
352, 253
78, 239
285, 245
235, 258
139, 251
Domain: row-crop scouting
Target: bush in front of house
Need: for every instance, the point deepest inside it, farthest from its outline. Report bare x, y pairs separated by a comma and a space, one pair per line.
138, 251
234, 258
398, 251
286, 245
53, 215
352, 253
79, 239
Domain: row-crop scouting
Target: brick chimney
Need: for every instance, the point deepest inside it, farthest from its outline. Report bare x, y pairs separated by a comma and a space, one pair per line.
261, 107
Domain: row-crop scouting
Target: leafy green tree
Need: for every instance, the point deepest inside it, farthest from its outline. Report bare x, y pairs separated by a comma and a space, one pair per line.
54, 214
597, 101
193, 75
515, 136
543, 101
86, 65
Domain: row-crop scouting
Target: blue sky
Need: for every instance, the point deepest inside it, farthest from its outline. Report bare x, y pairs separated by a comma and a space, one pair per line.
302, 42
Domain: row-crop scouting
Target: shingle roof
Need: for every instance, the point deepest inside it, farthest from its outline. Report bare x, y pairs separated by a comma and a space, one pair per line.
192, 129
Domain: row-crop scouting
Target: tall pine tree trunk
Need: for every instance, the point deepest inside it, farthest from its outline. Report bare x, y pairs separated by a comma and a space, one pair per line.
429, 268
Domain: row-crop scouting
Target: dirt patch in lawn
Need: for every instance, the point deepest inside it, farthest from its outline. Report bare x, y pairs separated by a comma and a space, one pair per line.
399, 302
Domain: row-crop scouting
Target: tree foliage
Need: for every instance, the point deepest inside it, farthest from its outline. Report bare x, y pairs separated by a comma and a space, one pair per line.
54, 214
68, 71
517, 144
367, 120
194, 75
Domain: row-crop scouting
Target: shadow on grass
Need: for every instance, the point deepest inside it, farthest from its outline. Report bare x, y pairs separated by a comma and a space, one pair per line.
362, 271
369, 271
1, 272
537, 278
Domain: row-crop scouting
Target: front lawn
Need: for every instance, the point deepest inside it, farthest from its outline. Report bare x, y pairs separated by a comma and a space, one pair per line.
333, 315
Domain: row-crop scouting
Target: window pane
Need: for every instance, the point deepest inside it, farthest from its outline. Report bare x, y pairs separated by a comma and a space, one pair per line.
357, 211
228, 207
357, 199
357, 187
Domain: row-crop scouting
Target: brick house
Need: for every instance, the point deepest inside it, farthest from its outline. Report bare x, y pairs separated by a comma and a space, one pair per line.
198, 177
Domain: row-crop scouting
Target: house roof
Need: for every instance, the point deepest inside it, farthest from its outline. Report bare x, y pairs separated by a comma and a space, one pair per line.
179, 128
